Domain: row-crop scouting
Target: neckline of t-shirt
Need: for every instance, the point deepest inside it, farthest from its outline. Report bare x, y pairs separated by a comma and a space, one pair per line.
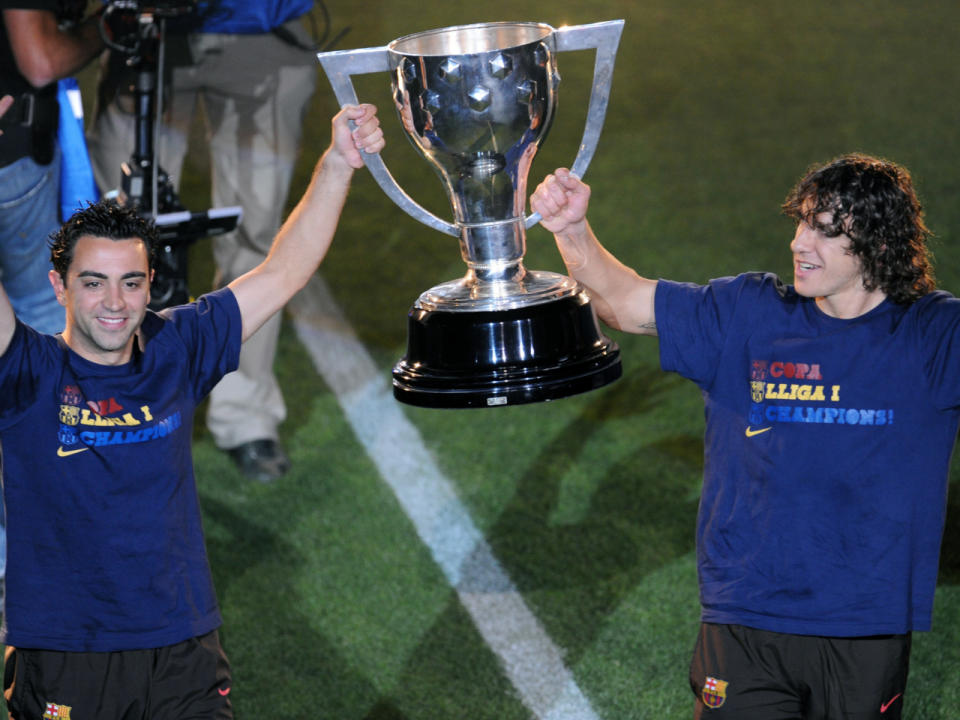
823, 316
94, 368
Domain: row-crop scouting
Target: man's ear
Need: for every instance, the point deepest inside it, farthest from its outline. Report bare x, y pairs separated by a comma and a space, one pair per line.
59, 287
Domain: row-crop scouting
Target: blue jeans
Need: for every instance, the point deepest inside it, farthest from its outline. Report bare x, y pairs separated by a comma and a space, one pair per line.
29, 213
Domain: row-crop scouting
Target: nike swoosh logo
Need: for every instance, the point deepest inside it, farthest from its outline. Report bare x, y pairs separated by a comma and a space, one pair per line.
67, 453
750, 432
886, 705
226, 692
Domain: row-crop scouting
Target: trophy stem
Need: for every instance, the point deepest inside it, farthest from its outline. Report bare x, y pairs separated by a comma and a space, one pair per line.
507, 275
493, 251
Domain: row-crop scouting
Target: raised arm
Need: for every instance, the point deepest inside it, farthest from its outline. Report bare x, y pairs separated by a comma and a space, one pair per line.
45, 53
623, 299
306, 235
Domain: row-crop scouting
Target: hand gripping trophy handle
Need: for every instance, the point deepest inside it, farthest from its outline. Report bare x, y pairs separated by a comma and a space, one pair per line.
604, 37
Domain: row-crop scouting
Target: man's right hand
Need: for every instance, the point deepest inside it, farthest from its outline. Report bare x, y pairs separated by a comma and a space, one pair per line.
562, 200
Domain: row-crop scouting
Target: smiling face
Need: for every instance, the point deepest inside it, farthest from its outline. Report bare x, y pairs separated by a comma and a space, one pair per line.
106, 293
826, 268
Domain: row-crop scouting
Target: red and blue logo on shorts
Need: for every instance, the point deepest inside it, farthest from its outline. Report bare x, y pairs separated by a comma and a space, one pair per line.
59, 712
714, 692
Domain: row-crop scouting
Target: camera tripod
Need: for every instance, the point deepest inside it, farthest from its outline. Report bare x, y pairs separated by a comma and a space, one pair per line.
144, 185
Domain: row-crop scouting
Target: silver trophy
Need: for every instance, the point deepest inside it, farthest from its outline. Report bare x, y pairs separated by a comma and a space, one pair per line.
476, 101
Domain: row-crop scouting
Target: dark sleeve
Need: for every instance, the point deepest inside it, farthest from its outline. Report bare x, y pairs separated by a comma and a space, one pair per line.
694, 322
210, 332
50, 5
937, 318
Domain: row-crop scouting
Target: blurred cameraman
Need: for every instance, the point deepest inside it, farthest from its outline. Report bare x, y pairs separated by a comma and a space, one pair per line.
250, 65
41, 41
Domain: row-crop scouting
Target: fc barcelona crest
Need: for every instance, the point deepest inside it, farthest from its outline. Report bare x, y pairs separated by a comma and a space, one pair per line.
59, 712
714, 692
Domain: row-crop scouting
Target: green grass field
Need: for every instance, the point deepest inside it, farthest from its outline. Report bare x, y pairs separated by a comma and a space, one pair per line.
335, 603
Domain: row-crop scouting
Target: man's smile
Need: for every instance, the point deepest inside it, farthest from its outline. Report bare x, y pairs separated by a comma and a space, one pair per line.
112, 321
802, 267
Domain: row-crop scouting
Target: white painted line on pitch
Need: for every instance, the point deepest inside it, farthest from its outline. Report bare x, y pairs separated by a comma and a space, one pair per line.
530, 659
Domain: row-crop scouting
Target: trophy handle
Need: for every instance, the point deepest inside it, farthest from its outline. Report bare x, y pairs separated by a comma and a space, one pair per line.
605, 37
340, 65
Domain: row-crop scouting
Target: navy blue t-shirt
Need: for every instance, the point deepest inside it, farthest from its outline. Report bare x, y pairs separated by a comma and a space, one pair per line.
826, 453
105, 548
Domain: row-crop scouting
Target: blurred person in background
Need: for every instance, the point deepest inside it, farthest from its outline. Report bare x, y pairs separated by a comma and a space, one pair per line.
41, 42
251, 66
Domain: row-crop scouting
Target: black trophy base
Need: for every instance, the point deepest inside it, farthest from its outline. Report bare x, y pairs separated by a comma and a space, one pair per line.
458, 359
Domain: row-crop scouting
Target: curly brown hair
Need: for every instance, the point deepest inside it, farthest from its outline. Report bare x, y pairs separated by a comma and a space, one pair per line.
873, 202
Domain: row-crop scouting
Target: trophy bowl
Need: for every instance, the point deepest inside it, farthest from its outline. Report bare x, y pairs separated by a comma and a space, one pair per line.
476, 101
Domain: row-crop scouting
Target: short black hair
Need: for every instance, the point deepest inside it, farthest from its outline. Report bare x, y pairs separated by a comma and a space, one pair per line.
874, 203
107, 219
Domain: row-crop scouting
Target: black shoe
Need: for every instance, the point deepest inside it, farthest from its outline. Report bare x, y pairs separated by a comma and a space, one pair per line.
262, 460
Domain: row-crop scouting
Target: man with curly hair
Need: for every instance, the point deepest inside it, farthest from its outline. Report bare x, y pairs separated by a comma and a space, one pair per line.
872, 203
832, 406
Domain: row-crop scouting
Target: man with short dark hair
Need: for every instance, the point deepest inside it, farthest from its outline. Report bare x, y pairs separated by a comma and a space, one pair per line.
98, 482
832, 406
